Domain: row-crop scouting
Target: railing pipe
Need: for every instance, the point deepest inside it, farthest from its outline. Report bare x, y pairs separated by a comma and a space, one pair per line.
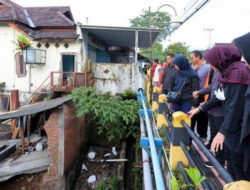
223, 173
184, 174
167, 132
156, 165
204, 183
145, 160
169, 122
36, 90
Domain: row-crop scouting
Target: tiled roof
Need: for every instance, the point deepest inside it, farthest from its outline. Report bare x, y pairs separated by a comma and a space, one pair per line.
40, 16
6, 14
49, 33
33, 19
49, 16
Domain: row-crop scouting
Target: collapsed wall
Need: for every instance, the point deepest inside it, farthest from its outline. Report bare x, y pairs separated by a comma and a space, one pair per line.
66, 139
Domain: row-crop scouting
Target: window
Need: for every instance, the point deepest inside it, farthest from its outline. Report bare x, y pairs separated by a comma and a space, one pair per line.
21, 66
4, 102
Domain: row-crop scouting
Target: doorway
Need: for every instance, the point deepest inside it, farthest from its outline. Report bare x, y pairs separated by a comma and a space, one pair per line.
68, 65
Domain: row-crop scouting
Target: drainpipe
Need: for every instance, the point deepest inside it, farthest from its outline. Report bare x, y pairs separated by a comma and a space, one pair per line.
29, 78
146, 165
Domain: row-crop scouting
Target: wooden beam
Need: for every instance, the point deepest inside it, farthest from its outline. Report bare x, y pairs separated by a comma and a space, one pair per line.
34, 108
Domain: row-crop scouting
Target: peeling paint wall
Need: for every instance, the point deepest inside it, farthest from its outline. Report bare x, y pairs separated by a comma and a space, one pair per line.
116, 77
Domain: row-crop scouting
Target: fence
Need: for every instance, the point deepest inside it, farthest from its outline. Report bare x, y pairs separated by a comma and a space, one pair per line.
175, 126
67, 81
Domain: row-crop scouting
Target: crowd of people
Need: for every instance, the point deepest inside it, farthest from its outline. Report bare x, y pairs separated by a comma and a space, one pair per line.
214, 91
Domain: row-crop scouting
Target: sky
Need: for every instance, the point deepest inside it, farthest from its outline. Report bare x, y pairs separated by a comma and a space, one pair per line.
228, 18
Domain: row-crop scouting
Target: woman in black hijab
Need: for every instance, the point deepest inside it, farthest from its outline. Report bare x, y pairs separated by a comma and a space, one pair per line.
243, 45
185, 81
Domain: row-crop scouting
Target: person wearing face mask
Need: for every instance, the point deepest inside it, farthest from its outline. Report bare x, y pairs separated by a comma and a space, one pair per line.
234, 78
243, 45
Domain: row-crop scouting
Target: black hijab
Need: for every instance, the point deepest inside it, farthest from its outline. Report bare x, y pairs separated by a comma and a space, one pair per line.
243, 45
184, 72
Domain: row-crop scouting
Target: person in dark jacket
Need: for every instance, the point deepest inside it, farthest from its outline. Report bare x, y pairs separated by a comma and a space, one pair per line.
185, 80
167, 74
234, 79
243, 45
215, 116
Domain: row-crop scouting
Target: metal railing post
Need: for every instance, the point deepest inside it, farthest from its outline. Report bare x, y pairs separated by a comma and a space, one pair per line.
162, 107
178, 133
155, 98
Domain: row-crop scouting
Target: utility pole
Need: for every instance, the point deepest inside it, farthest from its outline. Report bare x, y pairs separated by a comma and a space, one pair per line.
209, 30
150, 43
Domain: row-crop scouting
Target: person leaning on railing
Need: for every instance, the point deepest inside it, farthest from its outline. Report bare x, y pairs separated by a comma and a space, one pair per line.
215, 116
234, 79
185, 80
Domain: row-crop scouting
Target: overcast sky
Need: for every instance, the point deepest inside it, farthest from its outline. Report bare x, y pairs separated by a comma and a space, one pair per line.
228, 18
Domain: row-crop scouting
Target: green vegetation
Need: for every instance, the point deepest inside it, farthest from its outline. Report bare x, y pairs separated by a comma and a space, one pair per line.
178, 48
22, 42
113, 116
195, 176
174, 183
178, 182
114, 183
160, 20
137, 174
102, 186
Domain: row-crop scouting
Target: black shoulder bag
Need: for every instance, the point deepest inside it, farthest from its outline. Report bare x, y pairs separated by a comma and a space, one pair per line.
175, 96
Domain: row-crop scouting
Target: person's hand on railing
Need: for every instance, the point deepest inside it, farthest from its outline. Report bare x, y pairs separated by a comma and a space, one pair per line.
193, 112
196, 94
160, 89
170, 106
218, 141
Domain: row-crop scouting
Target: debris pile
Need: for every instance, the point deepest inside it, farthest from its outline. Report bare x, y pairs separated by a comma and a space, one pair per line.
99, 168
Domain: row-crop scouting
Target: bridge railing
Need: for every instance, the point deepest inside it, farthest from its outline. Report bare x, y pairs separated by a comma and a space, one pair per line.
176, 127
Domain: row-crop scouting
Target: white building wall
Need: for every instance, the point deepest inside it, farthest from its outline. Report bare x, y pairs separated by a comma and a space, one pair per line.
116, 78
39, 72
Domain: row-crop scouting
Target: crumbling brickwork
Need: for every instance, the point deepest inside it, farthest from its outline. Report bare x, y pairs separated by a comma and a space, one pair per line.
52, 130
65, 138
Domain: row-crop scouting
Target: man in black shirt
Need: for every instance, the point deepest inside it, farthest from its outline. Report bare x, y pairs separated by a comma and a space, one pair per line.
168, 71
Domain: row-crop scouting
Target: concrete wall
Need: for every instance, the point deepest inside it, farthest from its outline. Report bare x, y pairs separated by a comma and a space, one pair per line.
40, 72
116, 77
66, 135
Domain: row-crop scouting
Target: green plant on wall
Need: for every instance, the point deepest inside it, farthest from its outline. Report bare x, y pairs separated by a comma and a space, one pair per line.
22, 42
195, 176
113, 116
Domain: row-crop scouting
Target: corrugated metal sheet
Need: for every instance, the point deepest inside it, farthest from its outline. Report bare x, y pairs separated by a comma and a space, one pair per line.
122, 36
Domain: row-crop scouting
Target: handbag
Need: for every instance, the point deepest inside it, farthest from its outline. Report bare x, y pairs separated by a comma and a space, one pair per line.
175, 96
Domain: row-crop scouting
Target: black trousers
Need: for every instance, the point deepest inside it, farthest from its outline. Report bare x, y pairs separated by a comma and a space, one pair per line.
235, 166
202, 122
215, 123
164, 91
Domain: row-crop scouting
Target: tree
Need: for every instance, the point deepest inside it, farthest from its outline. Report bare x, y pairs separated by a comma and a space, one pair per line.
157, 52
178, 48
159, 20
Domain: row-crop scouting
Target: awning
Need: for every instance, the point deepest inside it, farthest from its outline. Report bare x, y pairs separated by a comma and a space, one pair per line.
122, 36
